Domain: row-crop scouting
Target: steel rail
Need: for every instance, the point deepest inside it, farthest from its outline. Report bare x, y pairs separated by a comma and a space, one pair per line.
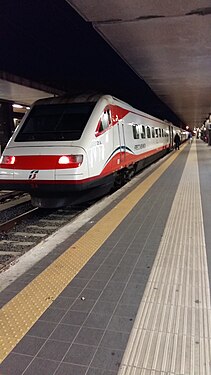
4, 227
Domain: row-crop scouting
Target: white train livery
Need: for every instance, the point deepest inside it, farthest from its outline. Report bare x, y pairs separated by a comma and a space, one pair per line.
69, 150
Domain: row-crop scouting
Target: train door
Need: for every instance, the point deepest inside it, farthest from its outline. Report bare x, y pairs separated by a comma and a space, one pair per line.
171, 135
122, 145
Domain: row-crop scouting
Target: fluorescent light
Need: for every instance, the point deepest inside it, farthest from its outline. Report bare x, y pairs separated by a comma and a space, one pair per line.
17, 106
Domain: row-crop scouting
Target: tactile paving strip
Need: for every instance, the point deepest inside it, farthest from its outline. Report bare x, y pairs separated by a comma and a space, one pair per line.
172, 331
18, 315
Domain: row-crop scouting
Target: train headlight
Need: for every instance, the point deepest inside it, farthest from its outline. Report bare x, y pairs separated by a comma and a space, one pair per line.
72, 161
7, 160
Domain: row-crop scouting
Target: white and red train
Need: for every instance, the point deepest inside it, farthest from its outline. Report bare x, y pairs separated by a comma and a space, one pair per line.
71, 150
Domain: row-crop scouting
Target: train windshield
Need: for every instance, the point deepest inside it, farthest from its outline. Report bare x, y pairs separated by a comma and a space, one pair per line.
55, 122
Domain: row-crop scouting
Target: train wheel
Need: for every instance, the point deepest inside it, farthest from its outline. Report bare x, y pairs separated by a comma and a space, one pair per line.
124, 176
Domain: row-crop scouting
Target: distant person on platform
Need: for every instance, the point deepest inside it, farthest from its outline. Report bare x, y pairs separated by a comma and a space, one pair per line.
190, 137
177, 141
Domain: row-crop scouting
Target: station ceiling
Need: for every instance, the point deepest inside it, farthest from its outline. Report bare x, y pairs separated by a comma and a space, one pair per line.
21, 91
153, 54
167, 43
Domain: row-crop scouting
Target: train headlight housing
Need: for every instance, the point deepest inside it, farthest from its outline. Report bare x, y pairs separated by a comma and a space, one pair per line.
7, 160
73, 161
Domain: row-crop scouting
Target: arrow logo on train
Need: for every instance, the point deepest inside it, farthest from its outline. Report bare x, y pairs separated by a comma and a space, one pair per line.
33, 175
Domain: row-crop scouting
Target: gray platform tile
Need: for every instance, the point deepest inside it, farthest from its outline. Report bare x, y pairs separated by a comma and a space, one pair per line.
114, 258
92, 265
129, 260
6, 296
36, 270
101, 255
104, 307
115, 340
79, 282
63, 303
24, 279
71, 292
89, 336
14, 364
52, 315
112, 291
90, 293
147, 256
65, 332
83, 305
107, 268
29, 345
132, 294
80, 354
141, 275
107, 359
172, 327
86, 273
54, 349
41, 366
102, 276
70, 369
17, 286
121, 324
97, 371
74, 317
122, 274
136, 248
97, 320
126, 310
42, 329
97, 284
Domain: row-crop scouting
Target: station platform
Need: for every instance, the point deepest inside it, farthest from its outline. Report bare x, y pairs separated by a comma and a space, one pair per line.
125, 290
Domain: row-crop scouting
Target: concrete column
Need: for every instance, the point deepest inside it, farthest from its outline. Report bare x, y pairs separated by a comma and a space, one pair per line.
6, 123
209, 137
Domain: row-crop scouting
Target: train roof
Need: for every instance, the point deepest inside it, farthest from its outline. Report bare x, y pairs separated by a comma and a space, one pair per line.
82, 98
92, 98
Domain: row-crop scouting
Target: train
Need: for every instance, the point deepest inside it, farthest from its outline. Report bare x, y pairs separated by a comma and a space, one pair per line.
68, 150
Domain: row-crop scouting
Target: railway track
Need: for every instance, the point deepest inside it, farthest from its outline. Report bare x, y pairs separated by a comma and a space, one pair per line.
9, 196
22, 232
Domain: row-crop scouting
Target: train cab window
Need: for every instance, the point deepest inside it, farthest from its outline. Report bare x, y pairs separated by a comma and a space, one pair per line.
105, 121
156, 133
143, 132
135, 131
55, 122
148, 132
153, 132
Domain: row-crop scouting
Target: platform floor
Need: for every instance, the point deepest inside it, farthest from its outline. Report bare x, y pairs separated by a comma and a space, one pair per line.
126, 289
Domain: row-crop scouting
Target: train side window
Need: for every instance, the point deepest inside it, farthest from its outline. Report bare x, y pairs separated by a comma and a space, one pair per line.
159, 132
156, 133
148, 132
105, 121
135, 131
153, 132
163, 134
143, 132
109, 116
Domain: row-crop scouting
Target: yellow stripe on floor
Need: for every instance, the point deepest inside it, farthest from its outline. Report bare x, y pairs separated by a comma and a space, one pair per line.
21, 313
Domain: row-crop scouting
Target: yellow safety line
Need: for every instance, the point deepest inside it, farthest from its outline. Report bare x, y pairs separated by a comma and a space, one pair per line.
21, 313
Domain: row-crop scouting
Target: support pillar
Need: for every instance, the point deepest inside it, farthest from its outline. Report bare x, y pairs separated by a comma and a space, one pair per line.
209, 137
6, 123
